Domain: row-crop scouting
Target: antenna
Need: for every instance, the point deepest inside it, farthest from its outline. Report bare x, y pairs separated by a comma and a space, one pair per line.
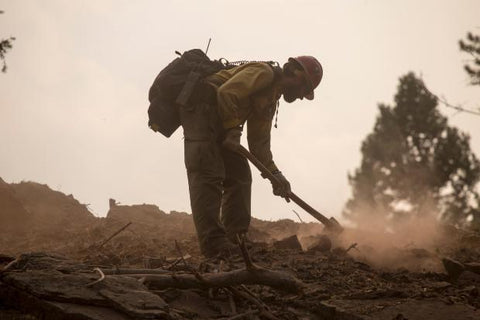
208, 45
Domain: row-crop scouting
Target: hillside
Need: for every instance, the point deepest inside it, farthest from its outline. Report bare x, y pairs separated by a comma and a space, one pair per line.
61, 262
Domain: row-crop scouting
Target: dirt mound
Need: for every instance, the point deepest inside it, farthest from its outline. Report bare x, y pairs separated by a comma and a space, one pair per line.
35, 217
173, 225
14, 218
56, 222
59, 223
49, 209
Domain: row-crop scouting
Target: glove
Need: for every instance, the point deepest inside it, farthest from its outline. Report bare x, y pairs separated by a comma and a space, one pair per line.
282, 188
232, 138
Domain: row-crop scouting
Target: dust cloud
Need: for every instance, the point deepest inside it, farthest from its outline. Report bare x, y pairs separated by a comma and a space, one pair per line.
416, 243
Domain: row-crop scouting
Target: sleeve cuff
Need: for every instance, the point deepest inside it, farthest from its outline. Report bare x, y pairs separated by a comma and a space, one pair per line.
272, 167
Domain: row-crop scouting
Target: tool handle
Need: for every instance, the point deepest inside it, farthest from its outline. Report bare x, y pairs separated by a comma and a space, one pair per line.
305, 206
260, 166
317, 215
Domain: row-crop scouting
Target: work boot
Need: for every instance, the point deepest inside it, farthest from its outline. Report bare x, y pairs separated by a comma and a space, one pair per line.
222, 249
227, 250
230, 251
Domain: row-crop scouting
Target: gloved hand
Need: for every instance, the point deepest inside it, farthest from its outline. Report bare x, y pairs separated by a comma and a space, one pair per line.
282, 188
232, 138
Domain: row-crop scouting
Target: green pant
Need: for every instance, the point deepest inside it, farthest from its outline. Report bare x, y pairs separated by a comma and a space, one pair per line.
219, 180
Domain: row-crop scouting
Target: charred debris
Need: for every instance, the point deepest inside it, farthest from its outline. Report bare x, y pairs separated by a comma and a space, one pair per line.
58, 261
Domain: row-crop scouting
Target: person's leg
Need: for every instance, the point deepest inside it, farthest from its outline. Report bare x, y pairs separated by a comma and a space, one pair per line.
205, 171
237, 187
205, 188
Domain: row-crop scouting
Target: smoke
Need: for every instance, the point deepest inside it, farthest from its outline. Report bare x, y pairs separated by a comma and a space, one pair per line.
414, 242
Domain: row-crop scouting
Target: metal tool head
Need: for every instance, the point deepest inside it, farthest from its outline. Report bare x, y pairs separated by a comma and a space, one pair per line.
334, 226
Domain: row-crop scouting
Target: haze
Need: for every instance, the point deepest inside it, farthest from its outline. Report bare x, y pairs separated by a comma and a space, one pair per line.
73, 110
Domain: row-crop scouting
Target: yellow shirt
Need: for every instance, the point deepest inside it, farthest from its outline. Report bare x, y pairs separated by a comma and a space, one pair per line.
248, 93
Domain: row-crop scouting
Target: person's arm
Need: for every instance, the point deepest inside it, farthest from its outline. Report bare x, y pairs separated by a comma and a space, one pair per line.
248, 81
258, 136
259, 144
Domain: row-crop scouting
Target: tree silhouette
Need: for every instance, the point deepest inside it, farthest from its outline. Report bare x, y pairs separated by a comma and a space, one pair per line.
414, 163
5, 45
471, 45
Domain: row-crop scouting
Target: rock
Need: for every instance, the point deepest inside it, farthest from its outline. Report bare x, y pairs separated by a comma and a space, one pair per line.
43, 277
473, 267
134, 301
191, 302
291, 243
454, 268
441, 285
29, 307
471, 290
322, 244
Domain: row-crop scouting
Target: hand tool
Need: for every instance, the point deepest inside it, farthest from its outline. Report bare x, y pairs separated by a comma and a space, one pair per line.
330, 224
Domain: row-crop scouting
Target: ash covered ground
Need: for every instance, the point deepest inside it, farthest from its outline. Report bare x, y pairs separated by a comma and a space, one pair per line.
58, 261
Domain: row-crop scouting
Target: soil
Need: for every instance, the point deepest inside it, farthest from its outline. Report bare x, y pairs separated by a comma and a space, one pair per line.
52, 250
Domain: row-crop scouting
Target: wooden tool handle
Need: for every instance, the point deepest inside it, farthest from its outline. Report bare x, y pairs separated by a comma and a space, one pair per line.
305, 206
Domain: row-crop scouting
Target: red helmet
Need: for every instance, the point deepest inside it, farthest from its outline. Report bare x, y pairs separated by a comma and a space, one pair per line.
313, 70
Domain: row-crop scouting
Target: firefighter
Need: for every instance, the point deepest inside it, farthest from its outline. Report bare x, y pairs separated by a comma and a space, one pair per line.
219, 178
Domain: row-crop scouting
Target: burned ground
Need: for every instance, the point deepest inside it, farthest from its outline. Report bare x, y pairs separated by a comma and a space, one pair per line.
54, 252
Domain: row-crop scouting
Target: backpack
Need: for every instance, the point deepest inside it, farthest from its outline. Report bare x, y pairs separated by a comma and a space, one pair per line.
178, 84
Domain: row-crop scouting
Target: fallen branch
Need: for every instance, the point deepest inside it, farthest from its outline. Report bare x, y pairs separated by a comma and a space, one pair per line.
274, 279
135, 271
246, 256
177, 260
113, 235
187, 266
102, 277
179, 250
10, 265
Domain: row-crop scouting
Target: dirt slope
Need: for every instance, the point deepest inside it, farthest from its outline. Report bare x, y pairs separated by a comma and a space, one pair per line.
13, 215
367, 282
